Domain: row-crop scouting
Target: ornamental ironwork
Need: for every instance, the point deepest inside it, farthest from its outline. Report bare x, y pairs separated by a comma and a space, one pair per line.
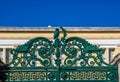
59, 60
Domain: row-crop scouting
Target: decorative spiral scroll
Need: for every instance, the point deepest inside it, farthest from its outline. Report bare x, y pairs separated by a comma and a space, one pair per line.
71, 48
41, 50
37, 50
81, 53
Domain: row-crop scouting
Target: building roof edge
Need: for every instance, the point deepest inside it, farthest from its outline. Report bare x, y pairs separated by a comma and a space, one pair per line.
87, 29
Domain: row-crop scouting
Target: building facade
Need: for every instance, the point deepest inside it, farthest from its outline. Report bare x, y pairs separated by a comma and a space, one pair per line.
105, 37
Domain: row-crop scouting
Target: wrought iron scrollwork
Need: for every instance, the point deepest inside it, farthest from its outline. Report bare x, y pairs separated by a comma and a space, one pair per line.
76, 52
81, 53
37, 49
112, 75
51, 76
71, 59
71, 48
64, 75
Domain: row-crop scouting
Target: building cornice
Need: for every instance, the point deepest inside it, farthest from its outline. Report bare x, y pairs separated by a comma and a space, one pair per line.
69, 29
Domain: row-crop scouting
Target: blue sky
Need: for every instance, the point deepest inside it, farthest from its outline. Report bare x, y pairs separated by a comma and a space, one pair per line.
60, 13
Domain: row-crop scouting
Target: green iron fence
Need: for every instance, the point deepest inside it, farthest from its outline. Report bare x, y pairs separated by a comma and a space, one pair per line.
59, 60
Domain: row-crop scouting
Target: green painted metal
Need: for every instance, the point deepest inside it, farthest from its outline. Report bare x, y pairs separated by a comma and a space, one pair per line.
59, 60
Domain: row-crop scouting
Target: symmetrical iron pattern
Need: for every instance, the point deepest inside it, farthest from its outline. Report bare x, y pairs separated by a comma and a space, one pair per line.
60, 60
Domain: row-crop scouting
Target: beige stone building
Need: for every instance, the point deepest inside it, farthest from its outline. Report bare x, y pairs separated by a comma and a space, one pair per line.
104, 37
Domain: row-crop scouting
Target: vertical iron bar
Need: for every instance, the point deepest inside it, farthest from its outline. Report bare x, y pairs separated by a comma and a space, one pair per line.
58, 61
9, 76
